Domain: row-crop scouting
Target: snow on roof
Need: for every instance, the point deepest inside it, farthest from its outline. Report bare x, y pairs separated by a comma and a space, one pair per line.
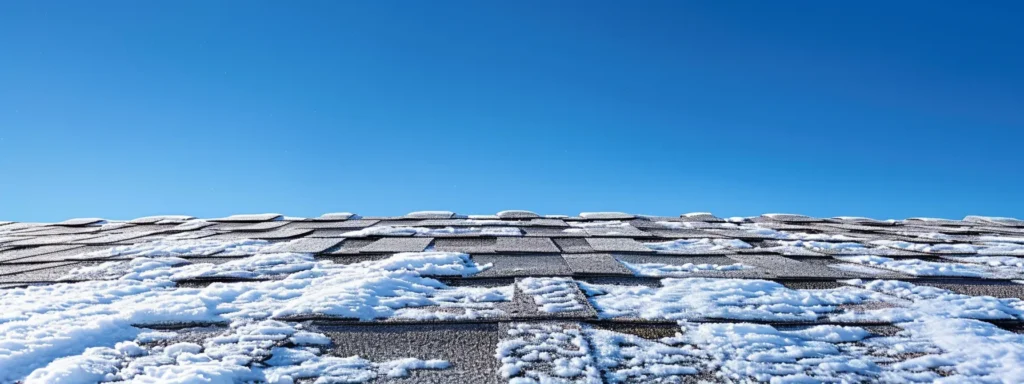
434, 296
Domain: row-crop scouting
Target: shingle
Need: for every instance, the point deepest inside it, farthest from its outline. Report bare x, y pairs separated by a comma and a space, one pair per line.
626, 231
606, 216
553, 232
286, 233
595, 264
53, 273
15, 254
348, 224
80, 222
469, 348
351, 246
14, 269
310, 245
522, 265
616, 245
524, 245
52, 240
74, 254
336, 216
1001, 221
430, 215
466, 245
155, 219
263, 226
329, 233
701, 216
682, 234
398, 244
115, 238
573, 245
517, 214
790, 218
56, 230
250, 218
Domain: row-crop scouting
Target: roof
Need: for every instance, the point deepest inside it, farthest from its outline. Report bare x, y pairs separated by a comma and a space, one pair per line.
438, 297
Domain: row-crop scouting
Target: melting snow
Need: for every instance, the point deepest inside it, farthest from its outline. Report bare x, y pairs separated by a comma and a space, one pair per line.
70, 330
670, 270
698, 245
552, 294
917, 267
387, 230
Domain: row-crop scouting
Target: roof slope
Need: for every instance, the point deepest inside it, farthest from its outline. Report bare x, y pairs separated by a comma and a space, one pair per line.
437, 297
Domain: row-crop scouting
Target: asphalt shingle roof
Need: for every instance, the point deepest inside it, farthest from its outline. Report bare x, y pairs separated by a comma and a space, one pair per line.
438, 297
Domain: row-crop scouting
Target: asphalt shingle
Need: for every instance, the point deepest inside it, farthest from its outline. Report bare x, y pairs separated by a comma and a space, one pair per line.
398, 244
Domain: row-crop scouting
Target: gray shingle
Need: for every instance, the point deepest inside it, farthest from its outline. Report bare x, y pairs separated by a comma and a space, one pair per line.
430, 215
14, 269
517, 214
617, 245
115, 238
286, 233
250, 218
15, 254
350, 246
75, 254
80, 222
310, 245
336, 216
466, 245
398, 244
573, 245
155, 219
522, 265
606, 216
348, 224
524, 245
553, 232
51, 240
467, 347
262, 226
595, 264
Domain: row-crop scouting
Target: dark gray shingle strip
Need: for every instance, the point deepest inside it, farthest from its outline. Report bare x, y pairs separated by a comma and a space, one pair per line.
398, 244
524, 245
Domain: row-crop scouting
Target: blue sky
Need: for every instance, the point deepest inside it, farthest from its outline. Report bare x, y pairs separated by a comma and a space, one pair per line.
882, 109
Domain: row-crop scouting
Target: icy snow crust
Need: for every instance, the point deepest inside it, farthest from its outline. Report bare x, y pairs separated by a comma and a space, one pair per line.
929, 350
90, 331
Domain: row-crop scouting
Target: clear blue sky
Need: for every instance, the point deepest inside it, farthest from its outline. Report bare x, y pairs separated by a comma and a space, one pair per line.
878, 108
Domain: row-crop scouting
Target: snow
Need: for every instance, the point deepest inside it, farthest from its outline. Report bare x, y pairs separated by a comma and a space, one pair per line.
697, 214
430, 214
670, 270
995, 220
546, 353
387, 230
695, 225
51, 331
992, 261
927, 248
701, 298
604, 215
698, 245
917, 267
1002, 249
338, 216
255, 217
552, 294
598, 224
911, 302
